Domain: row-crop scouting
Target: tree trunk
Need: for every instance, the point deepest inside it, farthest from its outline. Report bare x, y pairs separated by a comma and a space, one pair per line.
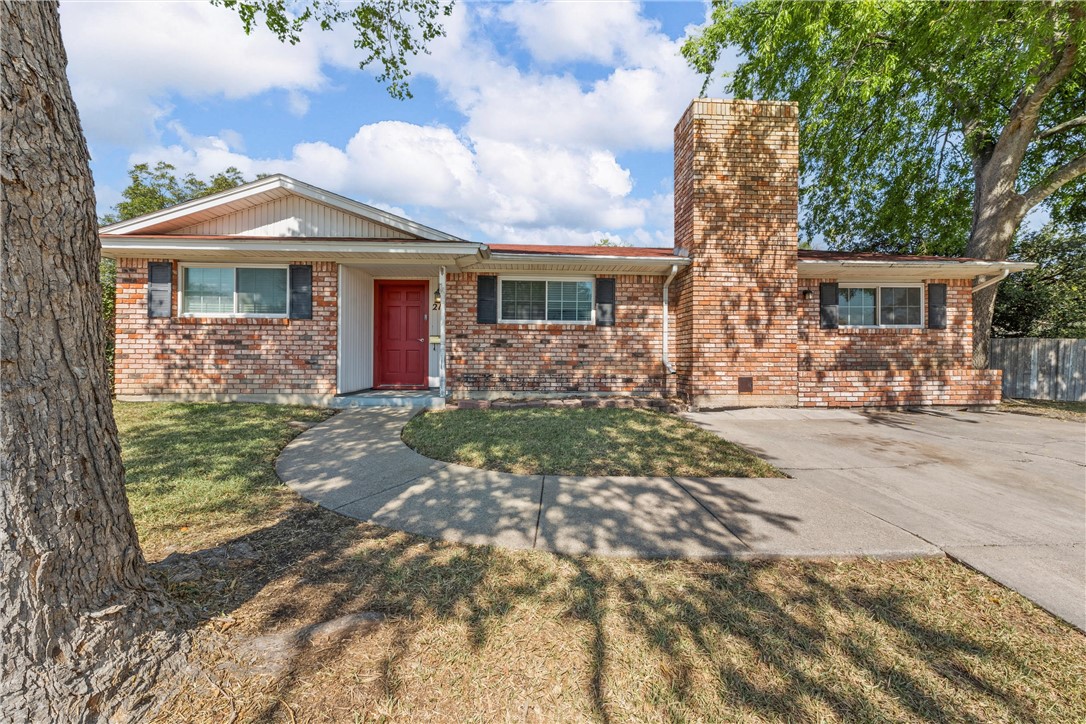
998, 209
76, 608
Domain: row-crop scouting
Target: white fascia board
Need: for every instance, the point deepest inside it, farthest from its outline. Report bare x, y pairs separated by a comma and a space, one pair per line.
277, 181
196, 205
657, 264
813, 268
160, 246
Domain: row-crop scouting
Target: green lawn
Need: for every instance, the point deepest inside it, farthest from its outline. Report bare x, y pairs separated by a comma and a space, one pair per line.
198, 472
580, 441
484, 634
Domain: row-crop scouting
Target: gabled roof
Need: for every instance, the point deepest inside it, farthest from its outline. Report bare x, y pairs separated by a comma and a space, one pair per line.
259, 192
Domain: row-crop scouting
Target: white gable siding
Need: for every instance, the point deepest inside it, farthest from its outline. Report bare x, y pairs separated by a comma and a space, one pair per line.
292, 216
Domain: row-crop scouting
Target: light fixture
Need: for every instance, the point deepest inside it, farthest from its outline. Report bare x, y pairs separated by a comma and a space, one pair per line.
806, 293
437, 299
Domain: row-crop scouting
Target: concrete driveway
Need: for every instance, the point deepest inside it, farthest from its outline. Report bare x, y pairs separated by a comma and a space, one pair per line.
1003, 493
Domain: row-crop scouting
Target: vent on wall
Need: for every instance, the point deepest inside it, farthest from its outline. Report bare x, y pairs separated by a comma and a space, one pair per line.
746, 384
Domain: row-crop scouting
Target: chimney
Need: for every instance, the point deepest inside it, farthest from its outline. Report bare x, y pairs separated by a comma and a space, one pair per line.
737, 218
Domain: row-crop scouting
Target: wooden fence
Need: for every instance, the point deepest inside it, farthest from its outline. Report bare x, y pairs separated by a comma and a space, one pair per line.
1041, 369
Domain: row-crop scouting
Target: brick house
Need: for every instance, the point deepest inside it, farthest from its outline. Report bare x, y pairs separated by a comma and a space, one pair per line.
280, 291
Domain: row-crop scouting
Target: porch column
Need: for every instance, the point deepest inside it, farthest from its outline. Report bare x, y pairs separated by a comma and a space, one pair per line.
441, 318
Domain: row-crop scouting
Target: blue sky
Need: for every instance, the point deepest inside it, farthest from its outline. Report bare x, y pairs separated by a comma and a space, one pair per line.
531, 122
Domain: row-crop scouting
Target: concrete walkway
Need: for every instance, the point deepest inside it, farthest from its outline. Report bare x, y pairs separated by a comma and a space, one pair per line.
1003, 493
355, 464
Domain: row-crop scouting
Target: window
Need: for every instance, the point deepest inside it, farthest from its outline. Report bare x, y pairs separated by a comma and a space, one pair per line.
234, 291
530, 300
875, 306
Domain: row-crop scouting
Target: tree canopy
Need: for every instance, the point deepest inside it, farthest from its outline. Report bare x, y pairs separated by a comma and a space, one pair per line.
902, 102
387, 32
154, 189
1049, 301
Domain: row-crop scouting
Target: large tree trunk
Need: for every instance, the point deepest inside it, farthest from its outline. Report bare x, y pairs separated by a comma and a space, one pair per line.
76, 607
998, 209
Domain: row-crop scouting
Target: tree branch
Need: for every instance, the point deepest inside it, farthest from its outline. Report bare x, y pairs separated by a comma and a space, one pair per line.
1028, 104
1052, 183
1060, 128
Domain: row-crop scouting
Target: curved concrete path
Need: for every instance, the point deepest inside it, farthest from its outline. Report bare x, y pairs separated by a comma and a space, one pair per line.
355, 464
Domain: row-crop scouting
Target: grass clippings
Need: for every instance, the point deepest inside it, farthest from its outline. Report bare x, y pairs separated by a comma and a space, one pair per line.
580, 441
478, 634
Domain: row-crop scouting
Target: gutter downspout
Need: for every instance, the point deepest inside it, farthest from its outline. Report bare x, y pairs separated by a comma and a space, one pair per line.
994, 280
441, 332
667, 286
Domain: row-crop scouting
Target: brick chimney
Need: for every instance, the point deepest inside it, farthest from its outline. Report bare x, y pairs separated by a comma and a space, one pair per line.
737, 218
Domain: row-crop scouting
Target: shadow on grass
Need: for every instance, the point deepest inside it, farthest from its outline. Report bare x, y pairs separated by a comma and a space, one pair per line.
779, 641
711, 640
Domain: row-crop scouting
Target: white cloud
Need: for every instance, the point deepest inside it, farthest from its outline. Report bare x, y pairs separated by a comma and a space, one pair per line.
603, 32
530, 186
532, 157
635, 107
126, 58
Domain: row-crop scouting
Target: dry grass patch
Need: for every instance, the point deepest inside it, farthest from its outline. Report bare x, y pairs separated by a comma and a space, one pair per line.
1072, 411
580, 441
479, 634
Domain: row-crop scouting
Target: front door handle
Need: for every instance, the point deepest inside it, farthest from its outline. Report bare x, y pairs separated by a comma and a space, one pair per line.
422, 339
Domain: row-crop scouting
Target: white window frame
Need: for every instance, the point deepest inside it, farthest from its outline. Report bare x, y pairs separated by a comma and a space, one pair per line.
878, 304
546, 299
228, 315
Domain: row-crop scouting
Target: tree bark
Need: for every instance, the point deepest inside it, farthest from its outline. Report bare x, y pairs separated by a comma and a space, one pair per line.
77, 610
998, 208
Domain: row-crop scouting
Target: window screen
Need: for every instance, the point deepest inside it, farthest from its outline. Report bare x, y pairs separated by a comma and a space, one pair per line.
546, 301
856, 306
262, 291
524, 300
208, 290
569, 301
900, 306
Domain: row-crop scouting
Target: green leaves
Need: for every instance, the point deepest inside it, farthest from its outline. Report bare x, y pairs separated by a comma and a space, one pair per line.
155, 189
1049, 301
388, 32
899, 100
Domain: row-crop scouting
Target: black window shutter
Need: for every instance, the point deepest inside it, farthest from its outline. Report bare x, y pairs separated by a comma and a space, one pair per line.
605, 302
827, 297
301, 291
937, 306
159, 288
486, 300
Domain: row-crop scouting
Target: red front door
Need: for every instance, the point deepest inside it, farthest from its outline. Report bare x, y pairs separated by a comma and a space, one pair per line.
400, 352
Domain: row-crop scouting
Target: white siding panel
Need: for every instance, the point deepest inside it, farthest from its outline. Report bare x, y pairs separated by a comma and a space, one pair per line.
367, 331
355, 330
435, 331
291, 216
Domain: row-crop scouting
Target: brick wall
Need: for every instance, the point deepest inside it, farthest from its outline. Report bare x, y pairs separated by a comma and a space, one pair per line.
899, 388
856, 367
736, 215
497, 359
223, 356
874, 348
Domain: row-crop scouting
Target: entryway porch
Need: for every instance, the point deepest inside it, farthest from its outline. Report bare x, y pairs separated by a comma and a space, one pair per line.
424, 399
